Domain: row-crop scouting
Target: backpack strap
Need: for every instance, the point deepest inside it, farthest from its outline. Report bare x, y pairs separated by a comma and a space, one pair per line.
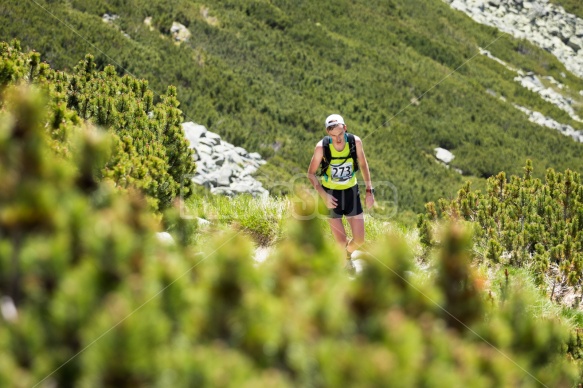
352, 147
327, 157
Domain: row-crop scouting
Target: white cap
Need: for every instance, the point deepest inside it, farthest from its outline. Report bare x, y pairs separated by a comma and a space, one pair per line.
333, 120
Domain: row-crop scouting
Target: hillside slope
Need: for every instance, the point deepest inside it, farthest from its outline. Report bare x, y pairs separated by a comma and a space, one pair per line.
264, 75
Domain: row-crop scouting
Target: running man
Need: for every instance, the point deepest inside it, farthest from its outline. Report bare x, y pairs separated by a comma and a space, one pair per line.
340, 155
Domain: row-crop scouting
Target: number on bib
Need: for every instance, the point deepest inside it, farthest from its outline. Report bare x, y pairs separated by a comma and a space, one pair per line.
342, 171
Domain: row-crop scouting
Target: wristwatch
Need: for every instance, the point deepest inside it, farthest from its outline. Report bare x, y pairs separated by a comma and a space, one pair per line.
371, 190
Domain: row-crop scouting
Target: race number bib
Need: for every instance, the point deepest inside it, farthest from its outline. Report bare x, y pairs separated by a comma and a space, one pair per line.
341, 172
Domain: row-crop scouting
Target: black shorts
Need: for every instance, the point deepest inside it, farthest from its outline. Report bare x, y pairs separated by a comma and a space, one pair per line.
348, 203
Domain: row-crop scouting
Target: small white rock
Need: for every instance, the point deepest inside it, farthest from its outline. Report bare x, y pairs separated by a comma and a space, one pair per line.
8, 309
444, 155
165, 238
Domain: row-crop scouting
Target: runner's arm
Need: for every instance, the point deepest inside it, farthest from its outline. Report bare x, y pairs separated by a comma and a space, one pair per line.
362, 162
313, 169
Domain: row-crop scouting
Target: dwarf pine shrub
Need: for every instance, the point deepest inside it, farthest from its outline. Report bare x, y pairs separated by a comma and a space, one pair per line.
525, 222
150, 152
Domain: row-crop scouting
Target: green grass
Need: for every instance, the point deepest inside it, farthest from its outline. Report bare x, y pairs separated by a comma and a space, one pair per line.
541, 306
265, 219
261, 218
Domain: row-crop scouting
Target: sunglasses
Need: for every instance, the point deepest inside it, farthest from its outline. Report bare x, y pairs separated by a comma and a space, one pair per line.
331, 127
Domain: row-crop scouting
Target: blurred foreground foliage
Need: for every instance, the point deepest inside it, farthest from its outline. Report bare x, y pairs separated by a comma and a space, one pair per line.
149, 150
91, 298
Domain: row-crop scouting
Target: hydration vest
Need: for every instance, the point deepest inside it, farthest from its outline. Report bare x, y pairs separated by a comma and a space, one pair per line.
327, 157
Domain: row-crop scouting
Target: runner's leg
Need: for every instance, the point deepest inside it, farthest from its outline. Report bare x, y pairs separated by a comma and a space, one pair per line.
357, 226
338, 231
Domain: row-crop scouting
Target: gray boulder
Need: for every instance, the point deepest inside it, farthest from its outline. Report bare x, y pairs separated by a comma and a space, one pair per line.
214, 137
234, 157
222, 167
179, 32
218, 159
203, 149
193, 132
241, 151
248, 170
208, 142
107, 18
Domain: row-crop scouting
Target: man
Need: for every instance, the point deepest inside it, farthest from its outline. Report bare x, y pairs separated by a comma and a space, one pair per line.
337, 185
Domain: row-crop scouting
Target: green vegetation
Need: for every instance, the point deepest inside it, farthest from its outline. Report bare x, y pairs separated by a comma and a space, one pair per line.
525, 223
264, 75
99, 301
151, 153
92, 162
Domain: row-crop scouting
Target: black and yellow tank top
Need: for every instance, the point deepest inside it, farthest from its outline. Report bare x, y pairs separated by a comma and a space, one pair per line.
340, 173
